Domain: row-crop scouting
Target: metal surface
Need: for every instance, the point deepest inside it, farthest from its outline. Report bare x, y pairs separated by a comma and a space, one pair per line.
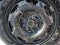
39, 20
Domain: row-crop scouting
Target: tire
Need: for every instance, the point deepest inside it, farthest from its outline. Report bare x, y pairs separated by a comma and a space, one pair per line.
4, 4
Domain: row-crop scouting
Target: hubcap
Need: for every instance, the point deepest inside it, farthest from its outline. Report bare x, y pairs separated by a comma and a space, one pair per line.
31, 22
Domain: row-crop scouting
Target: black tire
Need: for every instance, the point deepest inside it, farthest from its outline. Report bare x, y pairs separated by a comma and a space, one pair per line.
4, 4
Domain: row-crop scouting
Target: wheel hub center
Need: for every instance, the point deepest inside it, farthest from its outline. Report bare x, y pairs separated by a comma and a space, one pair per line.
30, 23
